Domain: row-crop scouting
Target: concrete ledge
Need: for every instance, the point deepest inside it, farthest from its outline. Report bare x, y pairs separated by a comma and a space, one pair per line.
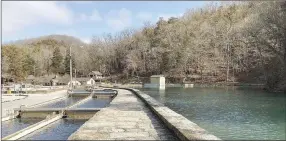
9, 117
181, 126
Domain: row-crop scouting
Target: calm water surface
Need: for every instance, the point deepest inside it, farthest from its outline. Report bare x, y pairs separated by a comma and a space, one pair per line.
17, 124
229, 113
95, 103
60, 130
63, 103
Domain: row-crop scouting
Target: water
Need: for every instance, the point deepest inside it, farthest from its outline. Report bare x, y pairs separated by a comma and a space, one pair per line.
60, 130
62, 103
94, 103
80, 91
229, 113
17, 124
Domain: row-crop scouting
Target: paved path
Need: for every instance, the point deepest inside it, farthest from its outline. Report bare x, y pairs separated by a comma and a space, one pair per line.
32, 99
127, 118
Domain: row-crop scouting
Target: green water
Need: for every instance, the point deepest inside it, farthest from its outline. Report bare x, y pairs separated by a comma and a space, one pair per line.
229, 113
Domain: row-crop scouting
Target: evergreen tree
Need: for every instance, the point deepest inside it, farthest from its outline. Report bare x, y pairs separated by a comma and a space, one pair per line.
56, 61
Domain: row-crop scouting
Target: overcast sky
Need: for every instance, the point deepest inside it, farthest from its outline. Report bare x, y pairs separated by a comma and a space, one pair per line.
21, 20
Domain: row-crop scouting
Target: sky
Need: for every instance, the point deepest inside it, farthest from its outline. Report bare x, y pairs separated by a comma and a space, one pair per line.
83, 19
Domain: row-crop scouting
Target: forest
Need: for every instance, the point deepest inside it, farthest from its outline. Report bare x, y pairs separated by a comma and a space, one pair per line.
241, 42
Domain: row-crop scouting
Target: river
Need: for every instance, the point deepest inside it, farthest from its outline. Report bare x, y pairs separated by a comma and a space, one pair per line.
230, 113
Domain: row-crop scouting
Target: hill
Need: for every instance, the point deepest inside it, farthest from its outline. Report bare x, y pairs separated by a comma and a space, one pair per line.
64, 39
34, 56
235, 42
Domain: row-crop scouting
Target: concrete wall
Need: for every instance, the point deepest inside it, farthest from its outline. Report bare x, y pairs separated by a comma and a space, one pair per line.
157, 80
181, 126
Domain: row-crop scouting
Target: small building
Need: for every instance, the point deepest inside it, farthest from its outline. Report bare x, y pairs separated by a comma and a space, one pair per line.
157, 79
90, 82
74, 83
96, 75
86, 81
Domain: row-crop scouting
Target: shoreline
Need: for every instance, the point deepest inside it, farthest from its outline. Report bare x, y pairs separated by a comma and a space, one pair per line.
200, 85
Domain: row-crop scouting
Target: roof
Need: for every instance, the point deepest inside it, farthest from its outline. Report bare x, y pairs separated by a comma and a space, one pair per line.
157, 76
96, 72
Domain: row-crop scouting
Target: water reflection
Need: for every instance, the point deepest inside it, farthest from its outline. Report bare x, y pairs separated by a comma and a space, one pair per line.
162, 95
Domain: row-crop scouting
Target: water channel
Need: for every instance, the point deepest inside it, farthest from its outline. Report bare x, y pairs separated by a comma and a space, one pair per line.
63, 103
59, 130
233, 113
94, 103
11, 126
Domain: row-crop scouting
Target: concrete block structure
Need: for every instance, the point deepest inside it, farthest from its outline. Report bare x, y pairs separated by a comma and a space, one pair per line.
156, 81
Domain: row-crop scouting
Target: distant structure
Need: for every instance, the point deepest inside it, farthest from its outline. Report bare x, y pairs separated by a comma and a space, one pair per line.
86, 80
74, 83
96, 75
156, 81
53, 80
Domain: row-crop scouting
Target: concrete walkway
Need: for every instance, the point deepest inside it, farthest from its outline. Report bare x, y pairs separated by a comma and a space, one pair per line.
32, 99
9, 98
127, 118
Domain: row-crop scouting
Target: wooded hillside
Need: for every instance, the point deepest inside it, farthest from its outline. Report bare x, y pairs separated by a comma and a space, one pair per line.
241, 42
